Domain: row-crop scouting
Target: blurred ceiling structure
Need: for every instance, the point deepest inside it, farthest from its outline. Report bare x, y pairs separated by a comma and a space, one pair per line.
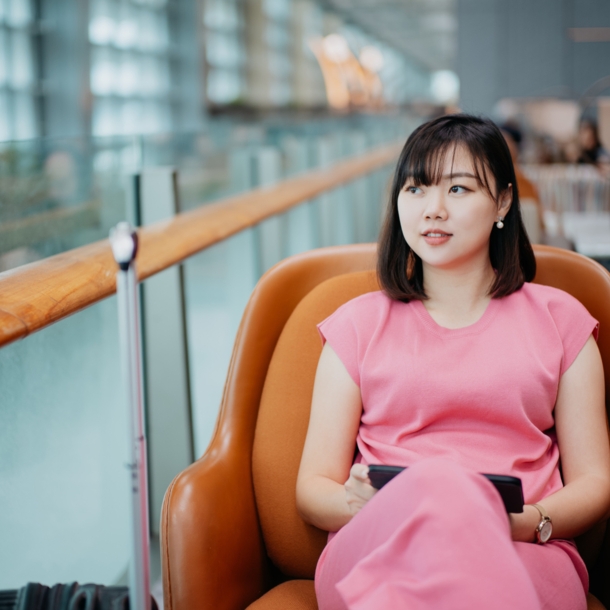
425, 30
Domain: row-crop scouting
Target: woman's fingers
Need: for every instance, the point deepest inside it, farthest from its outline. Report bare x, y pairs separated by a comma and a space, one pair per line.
360, 472
358, 487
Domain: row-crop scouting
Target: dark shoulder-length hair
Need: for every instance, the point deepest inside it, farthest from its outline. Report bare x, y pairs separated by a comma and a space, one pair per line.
421, 161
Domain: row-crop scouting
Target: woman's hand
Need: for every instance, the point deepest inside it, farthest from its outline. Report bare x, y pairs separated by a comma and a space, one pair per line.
358, 488
523, 525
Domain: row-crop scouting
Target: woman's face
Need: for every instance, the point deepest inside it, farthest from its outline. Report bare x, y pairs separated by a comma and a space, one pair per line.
448, 225
586, 136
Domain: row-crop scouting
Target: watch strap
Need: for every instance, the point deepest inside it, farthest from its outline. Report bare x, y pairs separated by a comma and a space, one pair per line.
543, 514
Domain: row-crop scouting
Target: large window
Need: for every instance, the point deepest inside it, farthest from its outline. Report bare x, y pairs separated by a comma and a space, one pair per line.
18, 70
123, 67
130, 66
278, 30
225, 55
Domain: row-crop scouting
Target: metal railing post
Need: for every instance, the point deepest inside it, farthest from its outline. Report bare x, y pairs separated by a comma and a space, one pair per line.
124, 248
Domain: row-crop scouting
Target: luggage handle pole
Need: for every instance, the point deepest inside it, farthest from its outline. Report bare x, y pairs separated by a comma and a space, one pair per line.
124, 242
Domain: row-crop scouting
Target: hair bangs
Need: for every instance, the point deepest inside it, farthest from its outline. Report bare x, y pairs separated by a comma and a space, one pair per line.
425, 162
482, 170
425, 159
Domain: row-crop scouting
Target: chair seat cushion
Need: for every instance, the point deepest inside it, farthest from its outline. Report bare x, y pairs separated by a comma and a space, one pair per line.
291, 595
593, 603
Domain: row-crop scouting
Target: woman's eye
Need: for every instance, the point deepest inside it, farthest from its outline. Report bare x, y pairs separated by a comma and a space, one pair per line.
414, 190
458, 189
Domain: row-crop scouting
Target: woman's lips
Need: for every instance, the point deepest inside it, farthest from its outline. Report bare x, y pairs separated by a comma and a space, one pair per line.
436, 238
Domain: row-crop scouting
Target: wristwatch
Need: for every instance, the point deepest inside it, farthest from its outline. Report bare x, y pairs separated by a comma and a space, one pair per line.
545, 528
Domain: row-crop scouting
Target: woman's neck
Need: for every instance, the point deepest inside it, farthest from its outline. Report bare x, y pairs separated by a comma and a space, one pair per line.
458, 297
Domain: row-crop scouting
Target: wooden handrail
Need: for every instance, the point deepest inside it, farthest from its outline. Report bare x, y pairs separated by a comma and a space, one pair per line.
36, 295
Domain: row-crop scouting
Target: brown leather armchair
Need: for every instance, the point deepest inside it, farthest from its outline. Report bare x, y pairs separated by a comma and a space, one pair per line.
231, 537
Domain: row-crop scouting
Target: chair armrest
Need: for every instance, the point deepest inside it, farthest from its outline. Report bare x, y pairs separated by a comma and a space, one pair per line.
212, 549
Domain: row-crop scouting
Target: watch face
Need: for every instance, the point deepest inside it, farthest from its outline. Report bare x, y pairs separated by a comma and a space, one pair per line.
545, 532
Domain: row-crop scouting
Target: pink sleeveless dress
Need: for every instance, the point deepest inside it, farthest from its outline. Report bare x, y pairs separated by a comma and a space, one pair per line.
469, 400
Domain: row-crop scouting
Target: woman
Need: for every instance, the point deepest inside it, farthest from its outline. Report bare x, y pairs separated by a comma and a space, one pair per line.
458, 366
591, 149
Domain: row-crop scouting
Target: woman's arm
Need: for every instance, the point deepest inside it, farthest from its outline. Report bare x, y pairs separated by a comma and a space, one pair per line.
328, 494
582, 436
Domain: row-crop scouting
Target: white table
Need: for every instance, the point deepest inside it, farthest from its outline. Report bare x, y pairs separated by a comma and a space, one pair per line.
590, 232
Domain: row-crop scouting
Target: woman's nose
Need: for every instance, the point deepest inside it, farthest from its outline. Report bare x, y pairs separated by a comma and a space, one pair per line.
435, 207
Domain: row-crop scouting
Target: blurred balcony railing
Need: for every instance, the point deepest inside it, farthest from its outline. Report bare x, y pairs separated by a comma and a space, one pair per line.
57, 194
576, 203
571, 188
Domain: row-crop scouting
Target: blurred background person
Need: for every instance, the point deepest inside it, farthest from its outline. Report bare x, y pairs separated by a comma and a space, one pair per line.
531, 208
591, 149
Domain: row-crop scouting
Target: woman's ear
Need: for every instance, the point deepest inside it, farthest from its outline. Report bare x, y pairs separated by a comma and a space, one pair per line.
506, 199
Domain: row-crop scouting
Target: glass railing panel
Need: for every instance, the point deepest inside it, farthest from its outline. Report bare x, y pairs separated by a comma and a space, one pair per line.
57, 194
218, 284
64, 485
301, 225
220, 279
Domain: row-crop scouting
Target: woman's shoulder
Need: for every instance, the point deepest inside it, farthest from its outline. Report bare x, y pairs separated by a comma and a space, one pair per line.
547, 296
349, 329
547, 301
369, 300
372, 305
572, 322
365, 310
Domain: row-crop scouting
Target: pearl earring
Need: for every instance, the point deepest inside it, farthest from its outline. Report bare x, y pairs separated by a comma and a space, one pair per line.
500, 224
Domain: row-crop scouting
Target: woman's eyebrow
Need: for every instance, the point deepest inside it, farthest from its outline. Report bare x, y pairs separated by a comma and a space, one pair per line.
459, 175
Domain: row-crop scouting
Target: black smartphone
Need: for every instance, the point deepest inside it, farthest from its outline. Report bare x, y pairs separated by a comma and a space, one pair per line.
509, 488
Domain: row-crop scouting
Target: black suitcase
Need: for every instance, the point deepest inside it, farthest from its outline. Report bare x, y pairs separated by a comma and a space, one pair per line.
71, 596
